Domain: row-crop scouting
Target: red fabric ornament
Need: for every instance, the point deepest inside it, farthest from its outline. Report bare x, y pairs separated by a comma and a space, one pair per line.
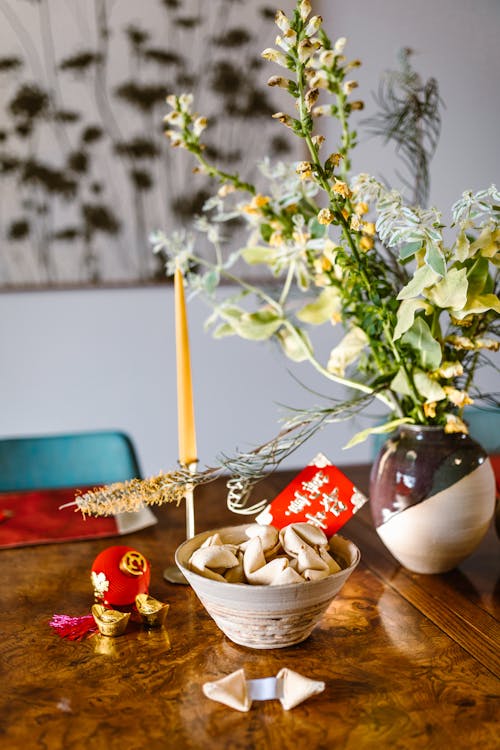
118, 574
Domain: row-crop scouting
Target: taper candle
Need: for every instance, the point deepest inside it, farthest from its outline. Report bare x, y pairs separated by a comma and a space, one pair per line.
185, 407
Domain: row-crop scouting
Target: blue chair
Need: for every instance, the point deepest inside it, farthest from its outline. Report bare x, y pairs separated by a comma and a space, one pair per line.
72, 460
484, 427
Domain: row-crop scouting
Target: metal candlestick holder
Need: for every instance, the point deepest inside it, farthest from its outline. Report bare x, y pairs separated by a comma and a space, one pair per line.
172, 574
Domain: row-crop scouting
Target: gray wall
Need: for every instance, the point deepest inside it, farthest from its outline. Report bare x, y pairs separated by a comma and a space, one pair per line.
96, 359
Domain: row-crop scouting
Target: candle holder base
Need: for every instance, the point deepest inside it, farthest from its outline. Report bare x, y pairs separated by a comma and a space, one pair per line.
173, 574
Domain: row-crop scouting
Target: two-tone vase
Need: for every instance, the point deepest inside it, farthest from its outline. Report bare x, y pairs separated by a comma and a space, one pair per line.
432, 497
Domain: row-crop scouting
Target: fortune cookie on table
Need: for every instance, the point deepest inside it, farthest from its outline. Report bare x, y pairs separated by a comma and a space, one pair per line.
289, 687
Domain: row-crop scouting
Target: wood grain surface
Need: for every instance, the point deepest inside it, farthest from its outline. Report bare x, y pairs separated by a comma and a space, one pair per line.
409, 661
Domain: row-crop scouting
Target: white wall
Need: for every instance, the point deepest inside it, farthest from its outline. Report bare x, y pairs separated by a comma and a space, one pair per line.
456, 41
85, 359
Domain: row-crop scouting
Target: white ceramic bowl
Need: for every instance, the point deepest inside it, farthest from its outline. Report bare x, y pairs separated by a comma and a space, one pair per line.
266, 616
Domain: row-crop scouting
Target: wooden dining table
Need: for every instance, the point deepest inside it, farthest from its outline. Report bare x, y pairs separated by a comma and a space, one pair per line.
408, 660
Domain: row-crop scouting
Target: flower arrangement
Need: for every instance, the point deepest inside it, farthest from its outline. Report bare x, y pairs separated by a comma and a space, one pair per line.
418, 302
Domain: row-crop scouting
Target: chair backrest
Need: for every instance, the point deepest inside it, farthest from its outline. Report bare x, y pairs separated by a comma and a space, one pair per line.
484, 427
73, 460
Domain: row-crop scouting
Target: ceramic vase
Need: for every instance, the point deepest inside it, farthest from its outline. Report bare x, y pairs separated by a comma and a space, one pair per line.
432, 497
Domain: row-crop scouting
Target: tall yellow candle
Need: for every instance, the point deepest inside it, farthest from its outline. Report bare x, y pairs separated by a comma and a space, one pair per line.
185, 407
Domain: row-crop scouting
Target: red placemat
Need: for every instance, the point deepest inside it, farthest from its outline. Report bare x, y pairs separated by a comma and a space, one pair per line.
34, 517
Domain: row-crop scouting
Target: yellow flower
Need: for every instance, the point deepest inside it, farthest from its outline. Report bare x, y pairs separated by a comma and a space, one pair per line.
199, 125
489, 344
461, 342
361, 208
287, 40
274, 56
313, 25
339, 45
350, 86
319, 80
335, 159
455, 424
304, 169
175, 138
341, 188
327, 58
430, 409
356, 224
311, 98
281, 21
276, 239
353, 64
326, 216
226, 189
255, 205
450, 370
285, 119
173, 117
456, 397
305, 9
306, 49
278, 81
366, 243
318, 140
323, 109
369, 228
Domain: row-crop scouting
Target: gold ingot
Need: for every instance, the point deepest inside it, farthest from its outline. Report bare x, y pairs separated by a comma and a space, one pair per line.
109, 621
153, 613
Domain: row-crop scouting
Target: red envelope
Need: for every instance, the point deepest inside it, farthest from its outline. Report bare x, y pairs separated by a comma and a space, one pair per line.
320, 494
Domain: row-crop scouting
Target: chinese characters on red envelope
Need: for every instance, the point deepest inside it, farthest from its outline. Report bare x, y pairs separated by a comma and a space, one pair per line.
320, 494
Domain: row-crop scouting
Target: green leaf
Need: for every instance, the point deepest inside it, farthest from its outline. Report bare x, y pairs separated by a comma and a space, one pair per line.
225, 329
451, 292
479, 304
421, 340
462, 247
382, 429
478, 277
427, 387
316, 229
210, 281
256, 326
406, 315
295, 344
323, 308
400, 384
347, 351
408, 250
259, 254
435, 259
422, 278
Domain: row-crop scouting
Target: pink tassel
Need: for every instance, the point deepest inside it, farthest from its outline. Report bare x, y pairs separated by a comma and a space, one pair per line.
73, 628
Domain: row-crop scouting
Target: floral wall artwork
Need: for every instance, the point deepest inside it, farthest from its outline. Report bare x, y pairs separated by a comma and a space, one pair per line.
85, 169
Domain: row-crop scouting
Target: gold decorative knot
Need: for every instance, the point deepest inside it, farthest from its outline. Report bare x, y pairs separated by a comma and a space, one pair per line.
133, 563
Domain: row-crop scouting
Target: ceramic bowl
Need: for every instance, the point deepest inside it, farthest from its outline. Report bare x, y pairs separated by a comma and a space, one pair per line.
266, 617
